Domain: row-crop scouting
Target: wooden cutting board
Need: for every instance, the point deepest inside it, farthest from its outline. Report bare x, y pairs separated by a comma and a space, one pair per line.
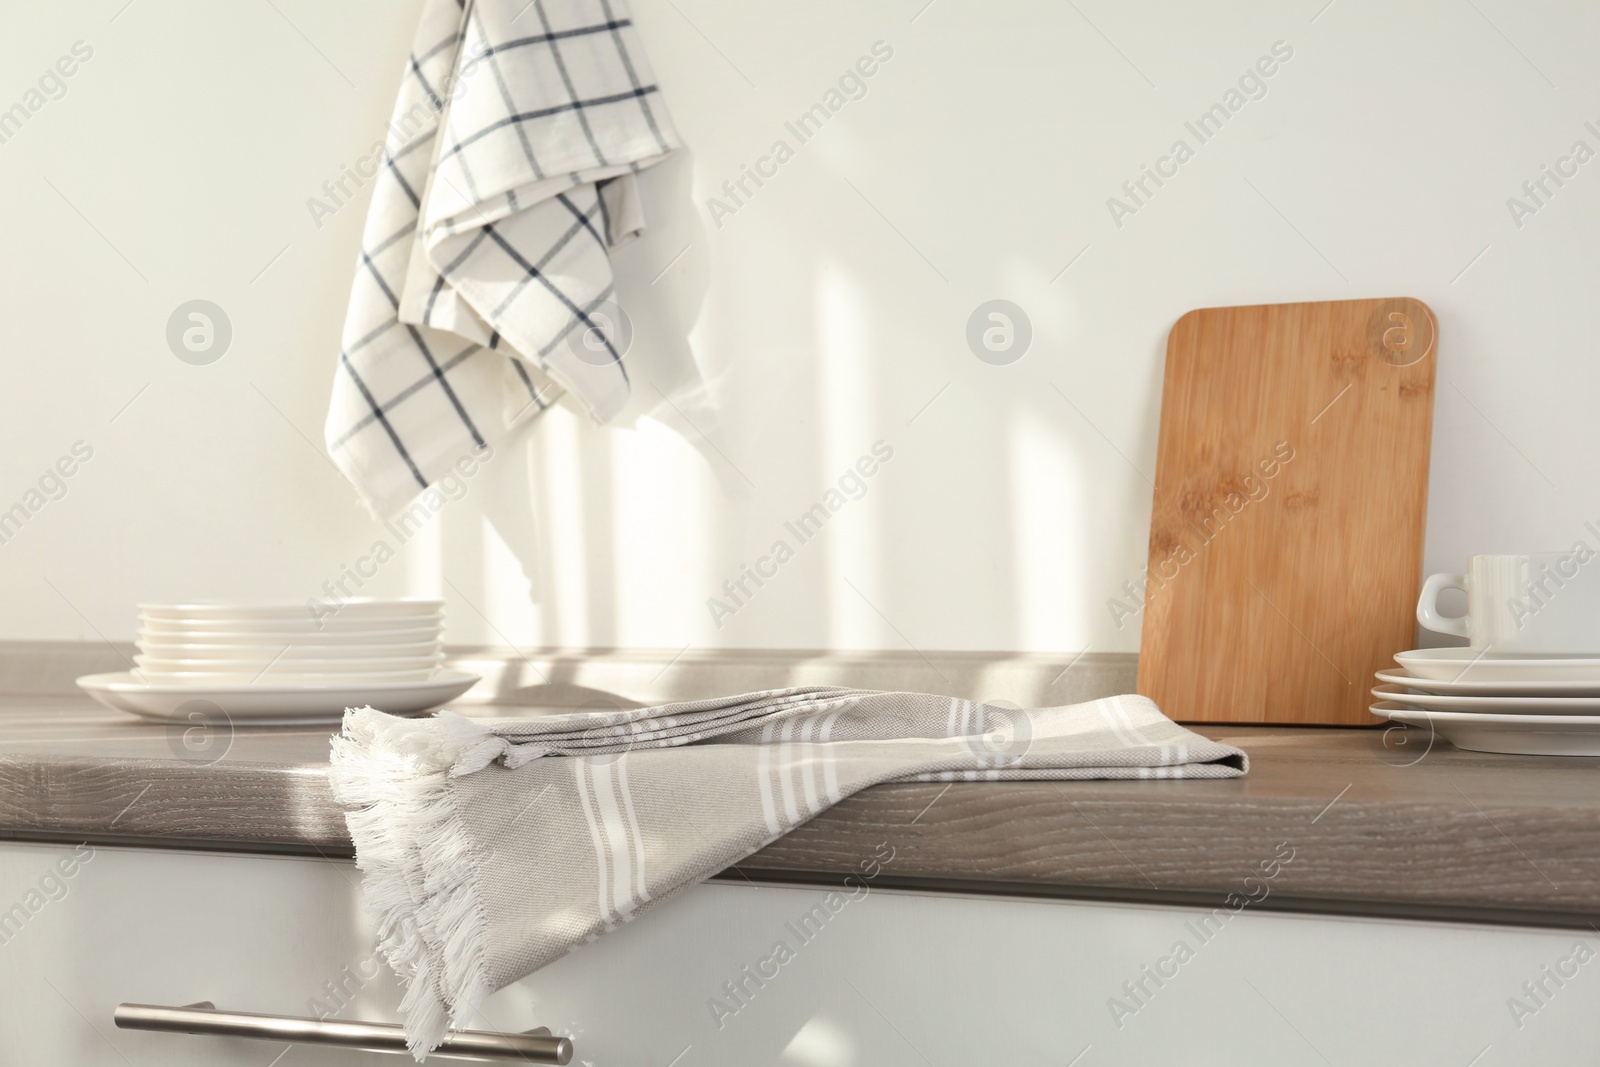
1291, 489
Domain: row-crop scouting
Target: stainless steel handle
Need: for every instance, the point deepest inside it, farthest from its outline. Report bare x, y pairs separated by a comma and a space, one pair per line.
533, 1046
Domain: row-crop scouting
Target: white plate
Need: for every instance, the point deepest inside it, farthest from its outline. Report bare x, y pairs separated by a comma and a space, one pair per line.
1492, 689
211, 679
300, 639
1527, 735
327, 626
1496, 705
273, 704
1467, 665
288, 652
338, 624
273, 666
354, 608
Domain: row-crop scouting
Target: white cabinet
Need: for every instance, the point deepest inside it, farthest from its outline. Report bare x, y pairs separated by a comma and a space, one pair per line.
251, 933
881, 978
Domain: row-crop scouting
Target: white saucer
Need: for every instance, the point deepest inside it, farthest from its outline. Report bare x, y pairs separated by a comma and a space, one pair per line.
1542, 688
1470, 665
1491, 705
274, 704
1526, 735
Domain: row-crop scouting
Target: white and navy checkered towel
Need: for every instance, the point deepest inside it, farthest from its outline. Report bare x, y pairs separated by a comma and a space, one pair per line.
481, 291
491, 847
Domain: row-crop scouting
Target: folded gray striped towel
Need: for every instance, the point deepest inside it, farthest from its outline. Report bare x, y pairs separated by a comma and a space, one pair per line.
493, 846
484, 284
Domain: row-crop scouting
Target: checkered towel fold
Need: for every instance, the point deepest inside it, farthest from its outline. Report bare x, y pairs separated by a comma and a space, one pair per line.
493, 846
481, 291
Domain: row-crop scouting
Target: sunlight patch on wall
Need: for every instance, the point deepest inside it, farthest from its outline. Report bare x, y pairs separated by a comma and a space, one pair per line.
819, 1043
847, 428
424, 556
664, 506
1047, 536
507, 597
561, 514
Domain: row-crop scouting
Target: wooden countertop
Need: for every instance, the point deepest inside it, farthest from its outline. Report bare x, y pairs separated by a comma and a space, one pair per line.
1379, 823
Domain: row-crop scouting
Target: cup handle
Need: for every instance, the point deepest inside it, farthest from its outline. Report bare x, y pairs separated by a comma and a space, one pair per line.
1428, 604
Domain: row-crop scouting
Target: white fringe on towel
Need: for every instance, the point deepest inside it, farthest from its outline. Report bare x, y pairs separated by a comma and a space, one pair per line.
420, 873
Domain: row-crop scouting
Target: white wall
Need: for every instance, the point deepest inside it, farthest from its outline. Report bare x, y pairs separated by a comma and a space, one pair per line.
822, 317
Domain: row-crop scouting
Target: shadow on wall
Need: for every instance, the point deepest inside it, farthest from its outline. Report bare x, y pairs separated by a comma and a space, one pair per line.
600, 542
557, 527
591, 547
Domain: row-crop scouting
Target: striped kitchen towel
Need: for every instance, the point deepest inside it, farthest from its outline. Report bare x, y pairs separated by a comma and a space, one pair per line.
493, 846
484, 285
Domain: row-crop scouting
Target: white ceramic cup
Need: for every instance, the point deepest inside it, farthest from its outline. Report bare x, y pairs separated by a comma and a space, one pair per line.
1538, 604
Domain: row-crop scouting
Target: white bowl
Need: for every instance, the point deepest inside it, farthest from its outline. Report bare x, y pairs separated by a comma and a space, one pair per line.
291, 651
329, 624
355, 608
269, 668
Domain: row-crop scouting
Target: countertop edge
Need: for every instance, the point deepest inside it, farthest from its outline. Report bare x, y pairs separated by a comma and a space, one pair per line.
1099, 845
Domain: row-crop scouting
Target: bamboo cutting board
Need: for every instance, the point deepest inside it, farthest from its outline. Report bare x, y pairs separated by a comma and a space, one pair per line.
1291, 489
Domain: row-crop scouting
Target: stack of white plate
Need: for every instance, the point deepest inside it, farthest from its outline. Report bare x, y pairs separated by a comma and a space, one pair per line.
224, 644
1548, 705
284, 662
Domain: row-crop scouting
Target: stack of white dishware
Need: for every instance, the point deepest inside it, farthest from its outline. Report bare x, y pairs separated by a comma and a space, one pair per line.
1529, 680
284, 662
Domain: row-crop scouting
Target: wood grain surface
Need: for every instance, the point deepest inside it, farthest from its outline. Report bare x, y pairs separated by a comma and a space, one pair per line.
1290, 496
1388, 820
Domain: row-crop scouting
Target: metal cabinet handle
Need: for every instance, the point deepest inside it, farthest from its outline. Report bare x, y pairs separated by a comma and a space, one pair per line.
533, 1046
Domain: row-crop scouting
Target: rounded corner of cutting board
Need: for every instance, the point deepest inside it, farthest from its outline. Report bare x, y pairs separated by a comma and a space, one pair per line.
1421, 303
1185, 320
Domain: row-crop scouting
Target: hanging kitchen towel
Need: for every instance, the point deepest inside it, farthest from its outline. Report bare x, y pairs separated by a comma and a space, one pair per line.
484, 285
492, 846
